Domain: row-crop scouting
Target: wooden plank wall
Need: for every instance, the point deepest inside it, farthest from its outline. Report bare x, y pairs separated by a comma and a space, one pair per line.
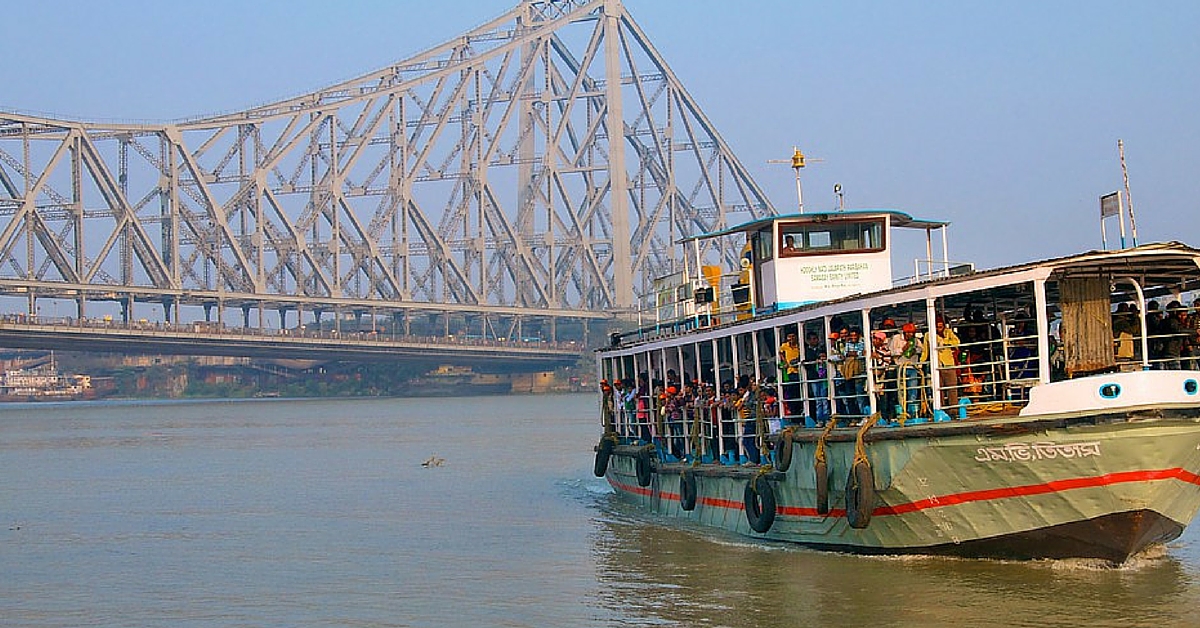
1087, 324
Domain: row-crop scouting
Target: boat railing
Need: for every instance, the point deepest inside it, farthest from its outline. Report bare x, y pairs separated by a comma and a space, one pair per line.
927, 270
707, 428
1164, 349
673, 310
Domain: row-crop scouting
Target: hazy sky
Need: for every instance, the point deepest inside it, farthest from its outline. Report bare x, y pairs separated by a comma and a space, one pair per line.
1002, 117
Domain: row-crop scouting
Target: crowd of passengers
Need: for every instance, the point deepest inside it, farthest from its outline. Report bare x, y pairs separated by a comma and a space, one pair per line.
1172, 339
978, 361
819, 382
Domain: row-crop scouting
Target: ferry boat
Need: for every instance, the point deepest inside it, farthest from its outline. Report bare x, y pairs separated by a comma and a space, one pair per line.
44, 383
1017, 413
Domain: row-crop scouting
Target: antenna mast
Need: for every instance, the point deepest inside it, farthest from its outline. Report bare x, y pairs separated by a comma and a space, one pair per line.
1128, 197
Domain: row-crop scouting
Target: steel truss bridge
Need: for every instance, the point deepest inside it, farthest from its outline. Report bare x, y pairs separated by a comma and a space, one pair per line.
477, 184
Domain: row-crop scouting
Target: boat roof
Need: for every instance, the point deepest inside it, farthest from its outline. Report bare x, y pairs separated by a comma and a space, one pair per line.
1156, 264
899, 219
1163, 268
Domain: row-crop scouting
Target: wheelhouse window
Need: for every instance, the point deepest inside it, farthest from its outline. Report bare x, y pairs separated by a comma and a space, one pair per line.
838, 236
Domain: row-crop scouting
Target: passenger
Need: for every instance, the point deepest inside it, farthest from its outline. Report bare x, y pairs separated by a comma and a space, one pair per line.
905, 351
820, 389
1176, 343
885, 376
1194, 326
728, 426
789, 368
971, 357
854, 372
1122, 334
747, 414
629, 403
1058, 360
645, 407
673, 402
841, 391
812, 349
607, 405
618, 406
947, 346
1154, 320
688, 424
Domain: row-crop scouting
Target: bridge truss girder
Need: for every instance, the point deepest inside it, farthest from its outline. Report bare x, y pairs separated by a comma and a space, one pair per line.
478, 173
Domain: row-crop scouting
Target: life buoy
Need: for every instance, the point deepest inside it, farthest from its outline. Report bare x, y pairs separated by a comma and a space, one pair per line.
642, 466
603, 453
760, 504
687, 489
822, 473
860, 494
783, 450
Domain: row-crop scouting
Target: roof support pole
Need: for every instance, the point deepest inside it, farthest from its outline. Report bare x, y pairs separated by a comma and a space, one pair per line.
935, 377
1043, 328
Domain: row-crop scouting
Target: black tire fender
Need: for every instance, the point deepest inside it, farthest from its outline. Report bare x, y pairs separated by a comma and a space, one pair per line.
783, 450
687, 490
642, 465
760, 504
860, 495
822, 476
603, 453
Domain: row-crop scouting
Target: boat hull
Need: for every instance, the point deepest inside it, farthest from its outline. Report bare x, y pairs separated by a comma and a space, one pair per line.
1100, 486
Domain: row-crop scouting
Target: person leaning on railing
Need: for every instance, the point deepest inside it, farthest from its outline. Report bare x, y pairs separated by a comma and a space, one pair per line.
1176, 343
789, 366
947, 345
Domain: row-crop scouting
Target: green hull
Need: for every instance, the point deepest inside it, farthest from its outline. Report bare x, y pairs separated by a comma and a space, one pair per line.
1085, 486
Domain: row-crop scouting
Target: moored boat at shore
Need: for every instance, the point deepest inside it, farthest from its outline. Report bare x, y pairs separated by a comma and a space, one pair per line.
1036, 411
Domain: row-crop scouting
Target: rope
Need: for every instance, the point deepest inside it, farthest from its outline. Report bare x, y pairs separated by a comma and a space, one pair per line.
819, 456
860, 447
760, 423
902, 392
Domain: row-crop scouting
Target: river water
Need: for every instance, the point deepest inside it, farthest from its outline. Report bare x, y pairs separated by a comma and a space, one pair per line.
320, 513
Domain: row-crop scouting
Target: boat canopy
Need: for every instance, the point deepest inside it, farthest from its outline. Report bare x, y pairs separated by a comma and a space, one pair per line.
898, 218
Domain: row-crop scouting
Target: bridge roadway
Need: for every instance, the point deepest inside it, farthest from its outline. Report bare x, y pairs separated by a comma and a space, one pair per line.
22, 332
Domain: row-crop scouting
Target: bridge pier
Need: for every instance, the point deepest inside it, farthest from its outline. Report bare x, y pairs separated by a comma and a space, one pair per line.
170, 313
245, 316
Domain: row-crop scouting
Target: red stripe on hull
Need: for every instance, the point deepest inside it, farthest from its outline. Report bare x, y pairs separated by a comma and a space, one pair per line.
1054, 486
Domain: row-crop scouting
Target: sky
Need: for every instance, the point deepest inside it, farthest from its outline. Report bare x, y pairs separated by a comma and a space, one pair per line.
1001, 117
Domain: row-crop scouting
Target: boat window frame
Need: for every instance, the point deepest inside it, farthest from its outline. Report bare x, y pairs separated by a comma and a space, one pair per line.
762, 246
801, 228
